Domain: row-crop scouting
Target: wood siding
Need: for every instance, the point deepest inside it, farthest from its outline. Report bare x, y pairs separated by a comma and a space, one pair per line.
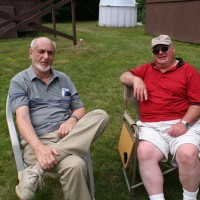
13, 34
177, 18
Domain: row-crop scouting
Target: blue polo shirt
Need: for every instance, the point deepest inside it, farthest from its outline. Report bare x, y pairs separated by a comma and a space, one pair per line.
49, 105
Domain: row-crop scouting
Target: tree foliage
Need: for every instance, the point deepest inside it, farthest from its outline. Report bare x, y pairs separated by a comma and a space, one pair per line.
141, 10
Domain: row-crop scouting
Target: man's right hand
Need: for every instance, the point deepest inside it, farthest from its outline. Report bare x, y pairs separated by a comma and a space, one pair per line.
140, 91
46, 156
130, 80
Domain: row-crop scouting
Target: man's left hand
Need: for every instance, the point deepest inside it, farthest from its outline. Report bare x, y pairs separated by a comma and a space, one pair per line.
177, 129
66, 127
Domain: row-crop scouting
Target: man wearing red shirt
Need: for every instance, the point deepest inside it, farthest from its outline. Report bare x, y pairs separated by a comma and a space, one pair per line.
169, 93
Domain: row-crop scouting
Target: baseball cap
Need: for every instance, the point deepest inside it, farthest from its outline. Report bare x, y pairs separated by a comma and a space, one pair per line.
161, 39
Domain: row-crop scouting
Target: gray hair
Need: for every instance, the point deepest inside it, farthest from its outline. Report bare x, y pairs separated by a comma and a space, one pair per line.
34, 43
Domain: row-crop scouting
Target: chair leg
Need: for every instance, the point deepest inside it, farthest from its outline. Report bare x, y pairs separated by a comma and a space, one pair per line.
90, 176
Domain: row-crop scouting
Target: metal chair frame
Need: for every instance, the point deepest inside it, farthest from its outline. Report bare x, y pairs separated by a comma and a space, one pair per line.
18, 155
130, 173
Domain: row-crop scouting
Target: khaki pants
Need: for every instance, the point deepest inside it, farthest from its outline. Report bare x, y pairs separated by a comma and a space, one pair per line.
71, 169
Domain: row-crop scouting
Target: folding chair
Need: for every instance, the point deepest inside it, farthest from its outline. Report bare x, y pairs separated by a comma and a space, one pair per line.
18, 155
128, 142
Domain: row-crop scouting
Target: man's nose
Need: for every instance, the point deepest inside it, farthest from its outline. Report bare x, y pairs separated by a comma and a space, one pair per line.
45, 55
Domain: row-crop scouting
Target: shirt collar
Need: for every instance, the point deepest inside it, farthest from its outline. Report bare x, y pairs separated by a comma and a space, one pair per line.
179, 64
32, 75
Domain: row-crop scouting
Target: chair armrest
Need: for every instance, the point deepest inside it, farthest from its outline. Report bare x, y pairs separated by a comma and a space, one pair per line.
14, 137
128, 118
128, 97
132, 124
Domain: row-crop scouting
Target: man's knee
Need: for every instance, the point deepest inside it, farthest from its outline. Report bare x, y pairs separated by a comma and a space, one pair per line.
101, 114
147, 151
187, 154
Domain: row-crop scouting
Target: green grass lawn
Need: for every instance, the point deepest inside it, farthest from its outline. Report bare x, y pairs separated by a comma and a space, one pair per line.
94, 67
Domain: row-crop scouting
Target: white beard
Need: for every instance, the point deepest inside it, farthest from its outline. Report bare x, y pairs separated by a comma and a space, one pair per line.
46, 69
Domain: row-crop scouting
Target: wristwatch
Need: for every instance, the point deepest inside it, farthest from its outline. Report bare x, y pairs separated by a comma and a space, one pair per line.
74, 117
187, 124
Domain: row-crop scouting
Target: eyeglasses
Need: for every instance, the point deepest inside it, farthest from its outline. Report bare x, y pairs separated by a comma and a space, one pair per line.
157, 50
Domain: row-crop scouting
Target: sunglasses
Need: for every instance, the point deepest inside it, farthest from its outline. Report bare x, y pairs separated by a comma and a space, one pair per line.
157, 50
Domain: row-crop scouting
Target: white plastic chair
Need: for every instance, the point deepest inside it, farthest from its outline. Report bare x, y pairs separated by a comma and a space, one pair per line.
18, 155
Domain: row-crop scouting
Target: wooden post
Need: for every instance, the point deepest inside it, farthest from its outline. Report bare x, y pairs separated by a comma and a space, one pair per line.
73, 22
54, 22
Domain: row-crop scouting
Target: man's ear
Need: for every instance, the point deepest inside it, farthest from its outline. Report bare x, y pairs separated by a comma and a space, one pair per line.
173, 49
30, 52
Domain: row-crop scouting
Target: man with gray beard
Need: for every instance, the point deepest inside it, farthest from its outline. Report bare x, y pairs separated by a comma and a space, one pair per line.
55, 130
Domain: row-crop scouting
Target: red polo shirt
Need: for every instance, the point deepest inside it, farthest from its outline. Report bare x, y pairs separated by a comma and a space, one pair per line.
170, 93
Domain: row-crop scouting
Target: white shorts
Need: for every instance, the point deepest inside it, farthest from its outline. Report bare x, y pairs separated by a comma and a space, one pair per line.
156, 133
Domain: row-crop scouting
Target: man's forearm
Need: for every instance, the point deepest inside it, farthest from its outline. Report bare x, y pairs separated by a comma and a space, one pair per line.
79, 113
127, 78
25, 127
193, 114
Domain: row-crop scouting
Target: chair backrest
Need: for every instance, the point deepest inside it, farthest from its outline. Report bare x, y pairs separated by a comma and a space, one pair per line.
128, 97
18, 154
